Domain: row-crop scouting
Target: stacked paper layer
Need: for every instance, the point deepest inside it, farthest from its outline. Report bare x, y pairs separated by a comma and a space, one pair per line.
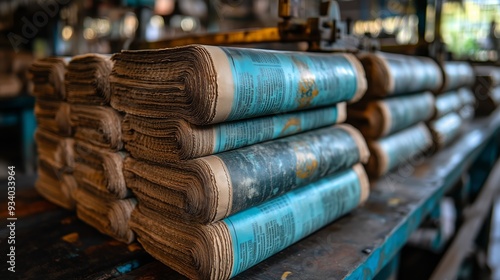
102, 198
53, 136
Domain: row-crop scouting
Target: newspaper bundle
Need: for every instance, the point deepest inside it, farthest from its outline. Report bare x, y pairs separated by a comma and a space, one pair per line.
224, 139
99, 125
108, 215
87, 79
100, 169
47, 75
380, 118
54, 116
394, 74
397, 149
225, 248
169, 140
457, 74
208, 84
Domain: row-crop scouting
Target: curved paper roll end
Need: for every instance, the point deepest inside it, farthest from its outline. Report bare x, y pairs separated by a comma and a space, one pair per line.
223, 187
378, 163
341, 112
361, 83
364, 152
225, 84
379, 77
363, 182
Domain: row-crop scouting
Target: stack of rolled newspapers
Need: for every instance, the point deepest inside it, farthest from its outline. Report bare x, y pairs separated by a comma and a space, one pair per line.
54, 133
236, 153
399, 100
102, 198
454, 104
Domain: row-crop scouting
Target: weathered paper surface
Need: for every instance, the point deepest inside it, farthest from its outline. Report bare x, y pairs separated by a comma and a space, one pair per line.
376, 119
207, 85
171, 140
209, 188
398, 148
225, 248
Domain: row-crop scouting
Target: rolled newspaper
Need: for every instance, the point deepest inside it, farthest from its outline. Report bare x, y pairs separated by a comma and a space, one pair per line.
87, 79
100, 169
47, 75
170, 140
54, 116
445, 129
54, 184
98, 125
57, 148
398, 148
380, 118
208, 84
393, 74
457, 74
108, 215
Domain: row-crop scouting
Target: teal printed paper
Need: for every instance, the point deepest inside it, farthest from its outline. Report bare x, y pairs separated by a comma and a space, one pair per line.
447, 127
400, 147
232, 135
260, 232
409, 110
266, 82
270, 169
413, 75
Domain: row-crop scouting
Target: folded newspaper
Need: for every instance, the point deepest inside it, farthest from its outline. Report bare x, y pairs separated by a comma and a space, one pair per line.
392, 74
87, 79
397, 149
47, 75
54, 184
100, 169
453, 101
445, 129
383, 117
457, 74
210, 188
170, 140
208, 84
57, 148
225, 248
54, 116
108, 215
98, 125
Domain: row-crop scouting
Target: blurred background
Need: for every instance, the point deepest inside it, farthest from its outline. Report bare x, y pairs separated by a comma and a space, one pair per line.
68, 27
30, 29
